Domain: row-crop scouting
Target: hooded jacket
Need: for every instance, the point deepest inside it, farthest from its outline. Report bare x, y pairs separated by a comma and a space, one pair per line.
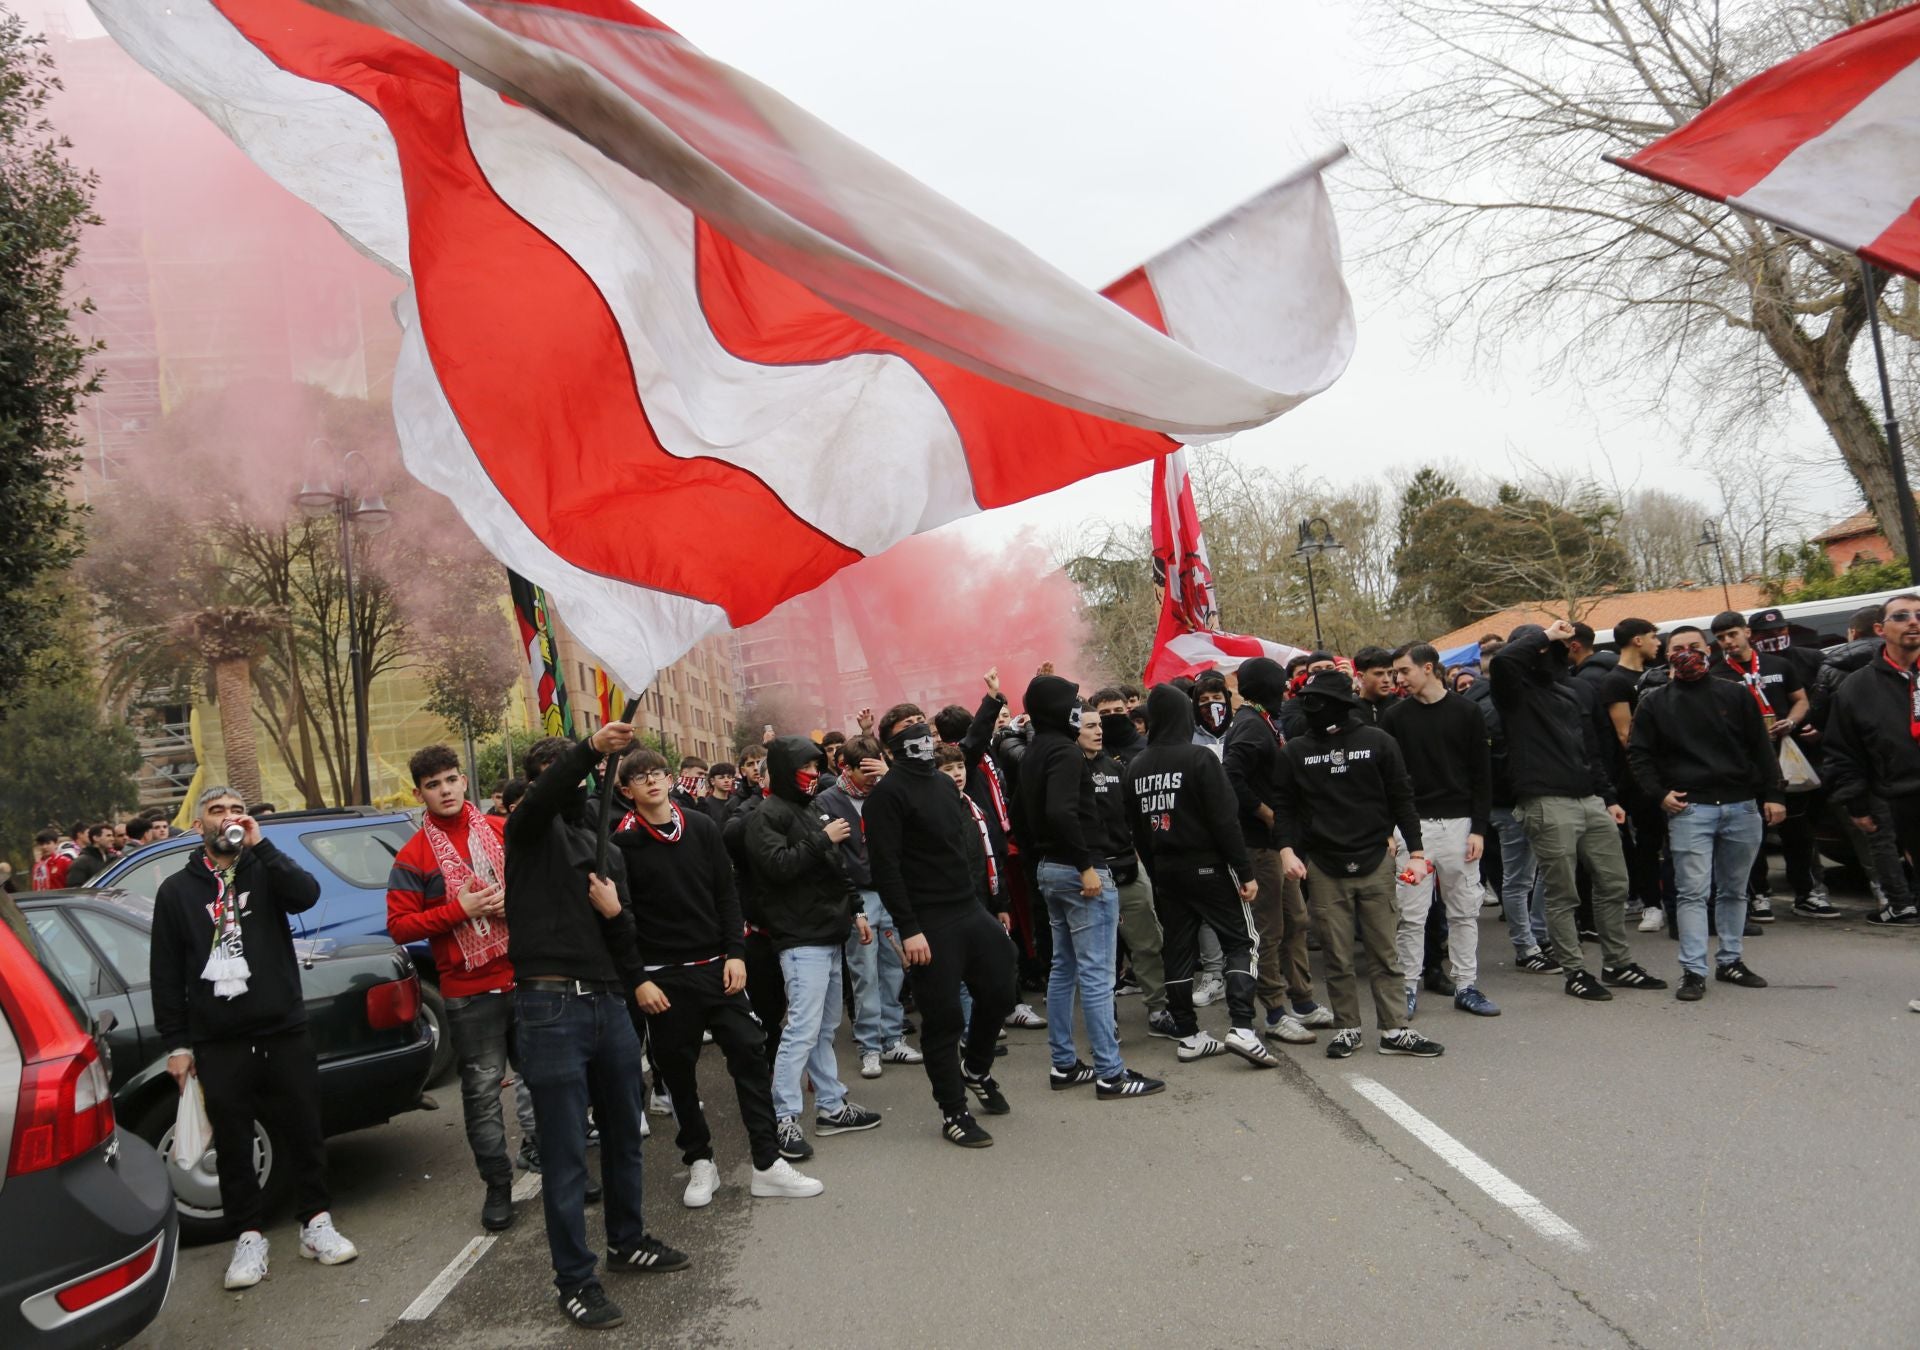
1871, 751
1252, 753
922, 842
553, 930
1056, 818
1120, 738
1184, 812
837, 802
1342, 795
987, 781
1553, 749
806, 897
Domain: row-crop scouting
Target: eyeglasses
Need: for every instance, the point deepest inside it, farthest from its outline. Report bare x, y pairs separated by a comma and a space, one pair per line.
1901, 616
654, 776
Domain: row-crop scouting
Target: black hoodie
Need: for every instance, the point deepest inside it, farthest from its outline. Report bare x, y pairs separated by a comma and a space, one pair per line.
806, 898
1184, 809
685, 907
1252, 752
1552, 746
1342, 794
922, 842
1055, 814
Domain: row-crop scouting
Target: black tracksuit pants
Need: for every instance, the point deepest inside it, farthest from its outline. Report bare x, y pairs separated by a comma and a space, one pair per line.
276, 1080
699, 1002
968, 947
1185, 898
767, 991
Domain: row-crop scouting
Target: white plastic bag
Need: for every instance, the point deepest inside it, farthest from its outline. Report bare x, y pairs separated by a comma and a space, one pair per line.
192, 1132
1797, 769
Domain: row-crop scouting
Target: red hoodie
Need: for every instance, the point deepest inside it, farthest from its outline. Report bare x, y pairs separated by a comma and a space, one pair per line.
418, 907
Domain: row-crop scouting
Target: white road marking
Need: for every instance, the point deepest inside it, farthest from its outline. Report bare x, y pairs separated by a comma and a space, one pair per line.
526, 1188
1473, 1167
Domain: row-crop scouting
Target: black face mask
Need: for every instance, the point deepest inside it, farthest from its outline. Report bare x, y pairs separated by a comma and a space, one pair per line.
1116, 728
912, 748
1322, 713
1214, 717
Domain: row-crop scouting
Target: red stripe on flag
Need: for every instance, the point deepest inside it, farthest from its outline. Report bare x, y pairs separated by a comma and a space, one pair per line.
531, 358
1134, 294
1898, 247
1746, 134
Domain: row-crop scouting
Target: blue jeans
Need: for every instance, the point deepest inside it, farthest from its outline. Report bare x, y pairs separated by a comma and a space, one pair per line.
812, 976
481, 1026
1713, 848
1084, 932
1523, 890
878, 1018
579, 1050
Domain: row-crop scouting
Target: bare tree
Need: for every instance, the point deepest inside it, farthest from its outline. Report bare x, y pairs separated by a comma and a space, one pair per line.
1490, 183
1661, 533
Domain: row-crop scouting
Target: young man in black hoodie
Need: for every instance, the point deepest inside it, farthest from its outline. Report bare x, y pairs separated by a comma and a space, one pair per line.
1700, 748
1343, 791
693, 948
570, 937
1279, 908
924, 848
1139, 925
1873, 749
1057, 820
1184, 819
228, 1005
807, 901
1565, 800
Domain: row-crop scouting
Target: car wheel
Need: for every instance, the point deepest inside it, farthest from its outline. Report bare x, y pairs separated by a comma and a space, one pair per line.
433, 1009
196, 1189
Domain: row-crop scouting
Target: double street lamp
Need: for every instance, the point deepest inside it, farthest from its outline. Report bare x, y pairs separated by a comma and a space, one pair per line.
358, 505
1316, 537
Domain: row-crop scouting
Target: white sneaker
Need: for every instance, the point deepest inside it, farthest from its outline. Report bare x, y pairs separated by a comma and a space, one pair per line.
646, 1130
869, 1063
1914, 1006
706, 1038
1208, 990
700, 1184
1288, 1029
1023, 1015
1200, 1045
321, 1241
782, 1180
902, 1053
1245, 1043
1652, 920
1321, 1016
660, 1103
249, 1264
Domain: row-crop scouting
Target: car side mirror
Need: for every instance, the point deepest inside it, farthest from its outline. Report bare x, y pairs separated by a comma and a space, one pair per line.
105, 1021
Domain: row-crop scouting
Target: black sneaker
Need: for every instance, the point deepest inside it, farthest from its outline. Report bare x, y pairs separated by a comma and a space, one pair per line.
1345, 1041
1692, 988
590, 1308
1736, 972
1815, 907
1078, 1075
1161, 1024
594, 1190
1407, 1041
497, 1212
1440, 983
1582, 985
1760, 908
1537, 962
650, 1257
1630, 976
793, 1144
846, 1120
1130, 1083
992, 1100
961, 1128
529, 1159
1896, 918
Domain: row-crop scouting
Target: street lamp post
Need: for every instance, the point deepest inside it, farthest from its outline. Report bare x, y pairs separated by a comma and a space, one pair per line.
1316, 537
361, 508
1710, 538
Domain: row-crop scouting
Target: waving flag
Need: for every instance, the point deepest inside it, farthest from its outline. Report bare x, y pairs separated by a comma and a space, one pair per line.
1826, 144
1188, 640
648, 291
543, 664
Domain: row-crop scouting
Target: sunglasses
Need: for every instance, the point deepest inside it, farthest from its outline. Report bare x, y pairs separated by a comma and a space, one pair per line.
1901, 616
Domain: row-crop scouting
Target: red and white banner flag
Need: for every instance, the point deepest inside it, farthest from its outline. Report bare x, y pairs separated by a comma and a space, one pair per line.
1188, 640
1826, 144
649, 295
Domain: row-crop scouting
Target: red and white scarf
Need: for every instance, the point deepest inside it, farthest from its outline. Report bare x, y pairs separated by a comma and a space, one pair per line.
1750, 676
671, 833
986, 845
226, 966
1912, 677
482, 940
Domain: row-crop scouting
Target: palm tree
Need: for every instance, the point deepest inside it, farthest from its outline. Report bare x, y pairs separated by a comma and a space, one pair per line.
228, 637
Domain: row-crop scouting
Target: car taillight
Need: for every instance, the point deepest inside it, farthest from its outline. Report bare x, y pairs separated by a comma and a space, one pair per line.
394, 1004
106, 1283
66, 1105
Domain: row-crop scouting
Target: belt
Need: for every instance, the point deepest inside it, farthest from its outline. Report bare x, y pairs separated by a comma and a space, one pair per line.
579, 988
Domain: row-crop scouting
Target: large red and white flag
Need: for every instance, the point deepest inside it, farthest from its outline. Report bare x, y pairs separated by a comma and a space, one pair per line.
1826, 144
1188, 639
650, 294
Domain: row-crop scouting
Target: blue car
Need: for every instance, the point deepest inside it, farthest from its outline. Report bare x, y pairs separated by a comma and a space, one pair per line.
349, 850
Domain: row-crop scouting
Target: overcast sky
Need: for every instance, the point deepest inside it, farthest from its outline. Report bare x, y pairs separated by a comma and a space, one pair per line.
1099, 131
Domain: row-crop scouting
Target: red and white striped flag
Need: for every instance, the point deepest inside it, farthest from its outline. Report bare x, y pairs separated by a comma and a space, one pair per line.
1826, 144
649, 294
1188, 640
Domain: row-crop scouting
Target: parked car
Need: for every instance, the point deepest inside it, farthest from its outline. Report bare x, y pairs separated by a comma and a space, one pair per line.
88, 1232
349, 850
363, 1012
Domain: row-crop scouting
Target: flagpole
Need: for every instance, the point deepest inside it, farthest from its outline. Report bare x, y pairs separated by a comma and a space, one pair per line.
1909, 520
605, 827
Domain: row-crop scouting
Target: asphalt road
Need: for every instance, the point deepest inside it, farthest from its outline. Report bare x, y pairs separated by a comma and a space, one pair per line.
1738, 1172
